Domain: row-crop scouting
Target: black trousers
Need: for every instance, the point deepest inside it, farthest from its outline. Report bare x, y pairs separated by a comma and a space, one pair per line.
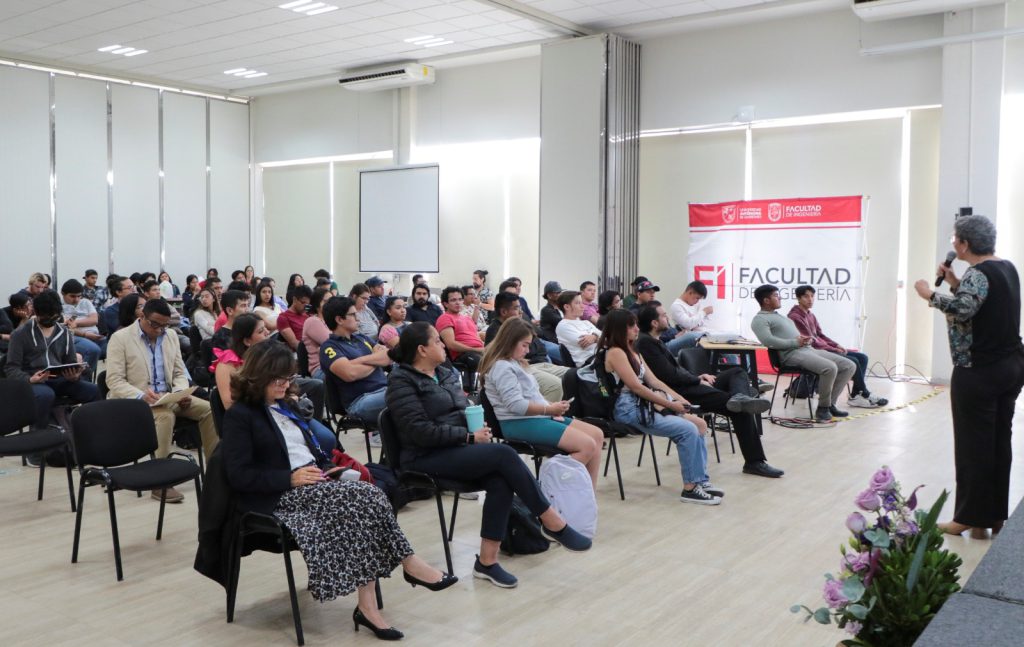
728, 383
498, 469
983, 399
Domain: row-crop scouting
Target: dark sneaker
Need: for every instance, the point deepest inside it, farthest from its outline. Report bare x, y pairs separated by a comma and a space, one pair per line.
764, 387
569, 538
712, 490
837, 412
699, 496
822, 415
740, 403
762, 468
878, 402
495, 573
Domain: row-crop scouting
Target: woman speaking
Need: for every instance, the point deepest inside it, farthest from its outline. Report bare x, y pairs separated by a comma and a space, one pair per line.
983, 316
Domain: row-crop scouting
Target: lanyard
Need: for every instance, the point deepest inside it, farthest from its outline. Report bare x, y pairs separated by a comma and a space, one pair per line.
304, 428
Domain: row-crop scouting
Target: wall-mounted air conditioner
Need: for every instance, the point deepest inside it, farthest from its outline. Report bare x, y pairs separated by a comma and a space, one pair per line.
888, 9
399, 76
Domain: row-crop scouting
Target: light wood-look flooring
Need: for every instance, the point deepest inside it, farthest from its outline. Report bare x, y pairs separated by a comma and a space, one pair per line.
661, 572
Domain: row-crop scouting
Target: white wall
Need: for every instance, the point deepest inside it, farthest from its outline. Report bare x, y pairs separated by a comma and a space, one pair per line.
784, 68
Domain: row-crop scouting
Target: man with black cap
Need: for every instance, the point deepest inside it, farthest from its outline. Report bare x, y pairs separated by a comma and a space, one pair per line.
377, 298
550, 315
631, 297
644, 294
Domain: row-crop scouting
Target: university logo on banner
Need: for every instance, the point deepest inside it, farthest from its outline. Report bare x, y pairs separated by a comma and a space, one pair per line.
737, 246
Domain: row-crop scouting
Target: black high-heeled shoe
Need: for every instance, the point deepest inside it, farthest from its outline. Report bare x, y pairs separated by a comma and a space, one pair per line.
388, 633
447, 579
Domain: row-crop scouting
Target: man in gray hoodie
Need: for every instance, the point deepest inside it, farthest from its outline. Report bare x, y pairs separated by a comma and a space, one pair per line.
43, 342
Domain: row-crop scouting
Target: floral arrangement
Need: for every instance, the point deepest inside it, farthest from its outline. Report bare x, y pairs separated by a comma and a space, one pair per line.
894, 575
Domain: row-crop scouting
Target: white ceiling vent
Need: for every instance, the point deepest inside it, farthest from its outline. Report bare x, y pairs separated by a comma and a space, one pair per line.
399, 76
871, 10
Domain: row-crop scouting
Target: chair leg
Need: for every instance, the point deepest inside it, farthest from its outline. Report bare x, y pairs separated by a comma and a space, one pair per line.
668, 447
299, 639
71, 483
444, 533
613, 452
160, 520
654, 459
714, 439
78, 521
451, 523
537, 459
774, 391
113, 531
42, 473
234, 569
369, 449
643, 443
376, 589
729, 430
202, 465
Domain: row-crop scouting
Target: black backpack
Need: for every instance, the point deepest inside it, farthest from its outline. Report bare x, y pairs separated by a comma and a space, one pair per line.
804, 386
523, 535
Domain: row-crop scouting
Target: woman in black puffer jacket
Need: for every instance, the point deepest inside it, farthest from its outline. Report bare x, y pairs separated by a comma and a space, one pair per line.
426, 402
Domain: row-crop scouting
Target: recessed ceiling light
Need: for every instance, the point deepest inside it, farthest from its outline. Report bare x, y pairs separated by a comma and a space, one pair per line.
234, 70
427, 43
244, 73
419, 39
122, 50
308, 7
443, 42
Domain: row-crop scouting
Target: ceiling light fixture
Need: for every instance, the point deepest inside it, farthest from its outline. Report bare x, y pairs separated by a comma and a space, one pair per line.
244, 73
443, 42
428, 41
122, 50
308, 7
419, 39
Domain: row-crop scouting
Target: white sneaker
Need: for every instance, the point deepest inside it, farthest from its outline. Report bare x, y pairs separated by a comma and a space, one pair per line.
877, 401
861, 402
375, 439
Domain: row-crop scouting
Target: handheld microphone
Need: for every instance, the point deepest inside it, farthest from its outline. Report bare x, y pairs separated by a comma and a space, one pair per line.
950, 257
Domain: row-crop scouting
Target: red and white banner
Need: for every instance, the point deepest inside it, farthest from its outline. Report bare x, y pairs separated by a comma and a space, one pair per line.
737, 246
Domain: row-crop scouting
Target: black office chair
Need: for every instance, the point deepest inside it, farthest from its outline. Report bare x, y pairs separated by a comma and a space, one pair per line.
411, 478
696, 361
302, 359
17, 413
217, 411
108, 435
344, 422
536, 451
610, 428
792, 371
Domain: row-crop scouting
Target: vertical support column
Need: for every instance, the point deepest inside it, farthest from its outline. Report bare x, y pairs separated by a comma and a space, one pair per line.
622, 162
110, 181
53, 178
160, 173
209, 209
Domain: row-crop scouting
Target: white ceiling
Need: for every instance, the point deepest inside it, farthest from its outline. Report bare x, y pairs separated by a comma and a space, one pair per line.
191, 43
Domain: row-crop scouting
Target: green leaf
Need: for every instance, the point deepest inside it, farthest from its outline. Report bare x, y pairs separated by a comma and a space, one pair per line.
796, 608
858, 611
922, 540
853, 589
878, 537
822, 616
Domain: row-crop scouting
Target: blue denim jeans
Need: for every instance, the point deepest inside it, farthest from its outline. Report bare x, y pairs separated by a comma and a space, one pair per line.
90, 351
554, 354
324, 436
368, 406
693, 453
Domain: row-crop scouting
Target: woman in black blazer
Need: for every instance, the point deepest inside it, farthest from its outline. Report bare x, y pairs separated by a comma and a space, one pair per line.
346, 530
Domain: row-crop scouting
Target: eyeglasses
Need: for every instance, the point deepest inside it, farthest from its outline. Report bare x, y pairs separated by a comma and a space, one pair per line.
352, 314
284, 381
157, 326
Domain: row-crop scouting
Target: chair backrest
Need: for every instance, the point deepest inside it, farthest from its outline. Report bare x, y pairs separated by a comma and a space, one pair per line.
108, 433
489, 416
776, 361
695, 360
302, 358
217, 410
18, 408
567, 359
389, 439
331, 399
195, 337
101, 384
570, 389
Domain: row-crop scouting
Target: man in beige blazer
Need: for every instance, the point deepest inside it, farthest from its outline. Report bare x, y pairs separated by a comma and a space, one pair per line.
144, 362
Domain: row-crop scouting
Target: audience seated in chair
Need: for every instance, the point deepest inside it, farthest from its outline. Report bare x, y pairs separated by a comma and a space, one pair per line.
205, 313
780, 333
459, 332
266, 305
168, 289
630, 298
290, 322
42, 342
96, 294
588, 292
608, 300
369, 324
421, 309
276, 467
315, 331
37, 282
121, 286
520, 407
729, 393
378, 299
19, 309
547, 375
394, 321
144, 362
82, 321
472, 308
808, 325
577, 335
428, 407
233, 303
550, 314
645, 292
354, 366
689, 315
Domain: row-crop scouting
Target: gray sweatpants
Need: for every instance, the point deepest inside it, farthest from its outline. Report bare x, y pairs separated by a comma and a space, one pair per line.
833, 371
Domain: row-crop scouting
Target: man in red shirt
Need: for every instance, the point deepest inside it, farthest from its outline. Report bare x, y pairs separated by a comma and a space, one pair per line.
459, 332
289, 322
808, 325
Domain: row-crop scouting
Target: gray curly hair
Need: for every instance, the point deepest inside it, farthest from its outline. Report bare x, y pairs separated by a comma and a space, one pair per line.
978, 232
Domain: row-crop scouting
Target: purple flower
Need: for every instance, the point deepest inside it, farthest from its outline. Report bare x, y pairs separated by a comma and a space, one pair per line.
856, 562
912, 501
856, 523
833, 594
907, 528
853, 627
890, 502
883, 480
868, 500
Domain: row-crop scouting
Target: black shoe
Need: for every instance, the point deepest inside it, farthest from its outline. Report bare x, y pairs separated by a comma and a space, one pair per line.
822, 415
837, 412
447, 579
740, 403
495, 573
762, 468
568, 537
388, 633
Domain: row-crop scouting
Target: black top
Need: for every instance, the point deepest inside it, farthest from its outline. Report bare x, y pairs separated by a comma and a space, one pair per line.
660, 361
221, 339
428, 314
996, 326
538, 352
549, 318
428, 412
6, 327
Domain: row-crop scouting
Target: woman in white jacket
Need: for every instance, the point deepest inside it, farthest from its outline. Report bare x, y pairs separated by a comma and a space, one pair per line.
523, 412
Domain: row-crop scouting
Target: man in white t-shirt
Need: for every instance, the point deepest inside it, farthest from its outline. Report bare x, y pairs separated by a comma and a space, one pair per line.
82, 321
689, 315
576, 334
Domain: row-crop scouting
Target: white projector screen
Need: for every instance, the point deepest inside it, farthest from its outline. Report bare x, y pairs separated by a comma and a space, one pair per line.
398, 219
